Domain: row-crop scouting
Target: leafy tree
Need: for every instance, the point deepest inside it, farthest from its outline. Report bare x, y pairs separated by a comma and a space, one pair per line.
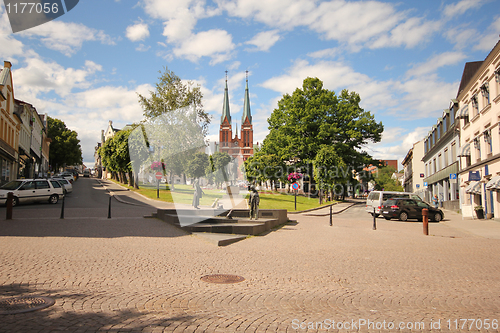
220, 163
262, 167
330, 171
173, 94
115, 156
383, 180
197, 165
312, 118
65, 147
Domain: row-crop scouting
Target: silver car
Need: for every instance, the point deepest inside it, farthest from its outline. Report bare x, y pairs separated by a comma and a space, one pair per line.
32, 190
68, 187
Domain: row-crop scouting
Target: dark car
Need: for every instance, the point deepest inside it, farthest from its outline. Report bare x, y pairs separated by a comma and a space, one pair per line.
405, 209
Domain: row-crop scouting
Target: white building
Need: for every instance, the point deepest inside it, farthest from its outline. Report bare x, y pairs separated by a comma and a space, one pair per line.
440, 159
479, 100
414, 169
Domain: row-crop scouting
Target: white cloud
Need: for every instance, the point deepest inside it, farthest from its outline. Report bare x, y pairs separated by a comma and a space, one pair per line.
66, 38
461, 7
43, 77
387, 149
137, 32
326, 53
436, 62
419, 97
263, 41
216, 44
490, 38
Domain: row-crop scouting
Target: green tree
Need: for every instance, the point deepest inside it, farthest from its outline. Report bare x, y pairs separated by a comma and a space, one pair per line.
197, 165
115, 155
220, 163
262, 167
383, 180
330, 172
65, 147
312, 118
172, 94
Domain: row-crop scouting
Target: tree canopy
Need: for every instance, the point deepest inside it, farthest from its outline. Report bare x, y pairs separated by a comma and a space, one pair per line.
65, 147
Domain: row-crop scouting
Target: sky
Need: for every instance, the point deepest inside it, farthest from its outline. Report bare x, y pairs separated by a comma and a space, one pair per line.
404, 58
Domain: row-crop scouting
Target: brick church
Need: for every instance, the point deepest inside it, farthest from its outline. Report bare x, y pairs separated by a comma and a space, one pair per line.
239, 147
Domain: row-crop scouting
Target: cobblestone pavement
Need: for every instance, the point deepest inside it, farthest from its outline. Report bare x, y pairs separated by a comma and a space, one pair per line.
133, 274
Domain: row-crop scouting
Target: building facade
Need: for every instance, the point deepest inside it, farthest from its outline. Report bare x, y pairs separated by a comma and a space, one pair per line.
10, 126
479, 117
414, 169
441, 146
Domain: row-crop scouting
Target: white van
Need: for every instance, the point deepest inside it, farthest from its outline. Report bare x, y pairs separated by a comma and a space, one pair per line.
375, 199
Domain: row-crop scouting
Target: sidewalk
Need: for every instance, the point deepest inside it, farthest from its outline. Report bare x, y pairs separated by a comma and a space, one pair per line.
484, 228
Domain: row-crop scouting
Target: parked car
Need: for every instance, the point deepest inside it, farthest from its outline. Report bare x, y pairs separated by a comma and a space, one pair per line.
67, 175
404, 209
31, 190
68, 187
376, 198
86, 173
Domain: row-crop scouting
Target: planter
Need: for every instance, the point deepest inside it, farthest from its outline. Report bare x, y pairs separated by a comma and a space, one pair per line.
480, 214
489, 216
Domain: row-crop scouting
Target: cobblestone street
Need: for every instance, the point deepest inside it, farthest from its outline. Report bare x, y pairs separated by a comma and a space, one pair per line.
142, 275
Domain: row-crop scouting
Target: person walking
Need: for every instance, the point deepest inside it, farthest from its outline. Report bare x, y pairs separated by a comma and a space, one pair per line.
435, 200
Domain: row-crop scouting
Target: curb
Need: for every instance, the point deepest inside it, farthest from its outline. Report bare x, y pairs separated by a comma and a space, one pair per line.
118, 198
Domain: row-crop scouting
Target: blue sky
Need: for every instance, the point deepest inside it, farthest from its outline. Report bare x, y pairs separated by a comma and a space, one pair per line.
404, 58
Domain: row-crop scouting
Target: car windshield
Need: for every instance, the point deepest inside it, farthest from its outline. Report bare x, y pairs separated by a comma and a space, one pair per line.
13, 185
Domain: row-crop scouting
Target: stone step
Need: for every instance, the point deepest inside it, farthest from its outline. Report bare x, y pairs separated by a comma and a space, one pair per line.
229, 228
219, 239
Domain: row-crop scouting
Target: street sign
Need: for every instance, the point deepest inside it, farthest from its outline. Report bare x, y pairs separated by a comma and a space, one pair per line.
158, 175
474, 176
453, 177
422, 175
426, 184
417, 185
295, 186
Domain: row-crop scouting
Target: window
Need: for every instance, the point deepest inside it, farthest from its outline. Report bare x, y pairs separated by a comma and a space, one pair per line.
445, 158
439, 166
485, 92
477, 146
497, 80
487, 141
41, 184
475, 106
453, 152
434, 166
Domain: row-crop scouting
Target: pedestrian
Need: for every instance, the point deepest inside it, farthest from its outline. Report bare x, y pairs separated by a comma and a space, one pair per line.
436, 201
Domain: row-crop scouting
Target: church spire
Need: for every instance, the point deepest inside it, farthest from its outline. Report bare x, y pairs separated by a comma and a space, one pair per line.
225, 106
246, 105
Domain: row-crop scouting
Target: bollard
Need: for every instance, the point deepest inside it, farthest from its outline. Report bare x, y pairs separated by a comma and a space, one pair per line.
331, 222
62, 208
374, 220
109, 208
425, 220
10, 199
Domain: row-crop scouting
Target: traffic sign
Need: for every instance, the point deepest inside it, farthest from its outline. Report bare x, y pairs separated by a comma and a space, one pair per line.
158, 175
295, 186
453, 177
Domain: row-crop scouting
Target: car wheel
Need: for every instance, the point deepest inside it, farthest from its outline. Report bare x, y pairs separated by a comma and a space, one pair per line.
387, 218
54, 198
437, 217
403, 216
15, 201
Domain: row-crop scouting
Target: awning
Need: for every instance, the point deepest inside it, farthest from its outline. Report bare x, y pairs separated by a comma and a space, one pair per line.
463, 112
464, 150
493, 184
473, 188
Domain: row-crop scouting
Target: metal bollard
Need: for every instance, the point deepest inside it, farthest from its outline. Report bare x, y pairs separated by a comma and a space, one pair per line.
425, 220
109, 208
62, 208
374, 220
331, 222
10, 200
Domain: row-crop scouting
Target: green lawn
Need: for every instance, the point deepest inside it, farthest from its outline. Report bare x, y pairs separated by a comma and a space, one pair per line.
184, 194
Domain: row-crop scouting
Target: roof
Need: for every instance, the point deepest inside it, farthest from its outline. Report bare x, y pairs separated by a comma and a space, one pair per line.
225, 107
470, 69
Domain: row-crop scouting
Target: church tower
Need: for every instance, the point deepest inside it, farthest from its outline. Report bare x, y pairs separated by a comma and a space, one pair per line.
241, 146
225, 132
246, 143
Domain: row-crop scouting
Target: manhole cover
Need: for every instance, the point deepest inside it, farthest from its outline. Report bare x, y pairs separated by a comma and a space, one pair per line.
24, 304
222, 278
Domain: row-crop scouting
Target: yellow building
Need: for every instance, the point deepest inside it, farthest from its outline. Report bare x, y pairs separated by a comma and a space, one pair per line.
10, 126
